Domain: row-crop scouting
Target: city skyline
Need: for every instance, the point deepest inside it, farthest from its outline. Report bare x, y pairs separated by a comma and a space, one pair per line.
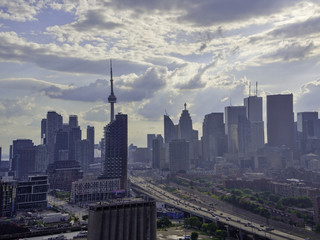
55, 57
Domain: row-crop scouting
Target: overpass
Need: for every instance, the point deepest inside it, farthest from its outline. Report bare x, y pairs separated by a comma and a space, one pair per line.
231, 222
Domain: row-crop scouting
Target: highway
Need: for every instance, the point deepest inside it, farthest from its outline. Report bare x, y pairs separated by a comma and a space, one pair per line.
210, 213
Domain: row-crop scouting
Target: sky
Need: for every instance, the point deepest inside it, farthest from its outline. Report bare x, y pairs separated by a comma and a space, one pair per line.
54, 56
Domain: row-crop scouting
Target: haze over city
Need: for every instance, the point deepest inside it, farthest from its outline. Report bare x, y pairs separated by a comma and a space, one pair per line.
55, 56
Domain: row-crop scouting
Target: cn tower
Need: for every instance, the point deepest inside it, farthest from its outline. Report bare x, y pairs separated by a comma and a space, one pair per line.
112, 98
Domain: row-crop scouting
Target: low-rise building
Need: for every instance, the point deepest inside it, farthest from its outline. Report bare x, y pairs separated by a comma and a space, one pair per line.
89, 190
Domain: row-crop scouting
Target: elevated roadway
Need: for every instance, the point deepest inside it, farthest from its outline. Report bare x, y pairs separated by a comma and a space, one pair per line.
230, 220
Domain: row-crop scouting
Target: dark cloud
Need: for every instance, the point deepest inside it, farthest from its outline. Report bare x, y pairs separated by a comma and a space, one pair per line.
126, 90
208, 12
207, 37
292, 52
42, 56
299, 29
95, 20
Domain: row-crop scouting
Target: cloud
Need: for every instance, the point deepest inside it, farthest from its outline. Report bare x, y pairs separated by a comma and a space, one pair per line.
196, 81
95, 20
291, 52
308, 97
127, 88
97, 114
17, 107
298, 29
63, 59
20, 10
28, 84
207, 13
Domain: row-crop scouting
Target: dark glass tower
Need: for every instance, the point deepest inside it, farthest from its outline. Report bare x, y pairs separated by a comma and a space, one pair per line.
54, 124
214, 139
116, 145
90, 138
280, 120
169, 129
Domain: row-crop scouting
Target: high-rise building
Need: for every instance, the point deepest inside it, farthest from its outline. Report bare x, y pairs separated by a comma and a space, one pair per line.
179, 159
134, 220
17, 146
116, 149
54, 124
90, 138
0, 157
213, 139
112, 98
253, 106
237, 129
280, 120
43, 130
74, 136
41, 159
61, 143
169, 129
73, 121
185, 125
82, 154
26, 162
307, 125
157, 152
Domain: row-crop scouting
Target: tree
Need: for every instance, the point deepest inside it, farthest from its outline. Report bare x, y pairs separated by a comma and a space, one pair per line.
212, 227
195, 222
164, 222
194, 235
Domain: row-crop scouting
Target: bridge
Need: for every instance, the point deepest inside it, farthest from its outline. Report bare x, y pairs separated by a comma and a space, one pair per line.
235, 225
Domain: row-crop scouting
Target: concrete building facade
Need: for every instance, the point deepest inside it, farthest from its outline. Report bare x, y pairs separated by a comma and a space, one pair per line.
133, 220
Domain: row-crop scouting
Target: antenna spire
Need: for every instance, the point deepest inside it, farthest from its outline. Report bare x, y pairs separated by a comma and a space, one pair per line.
256, 89
112, 98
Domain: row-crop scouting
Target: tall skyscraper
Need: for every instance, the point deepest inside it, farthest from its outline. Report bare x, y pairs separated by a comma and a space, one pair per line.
253, 106
307, 124
169, 129
90, 138
73, 121
185, 125
213, 139
112, 98
54, 123
116, 144
61, 143
280, 120
43, 130
116, 150
74, 136
179, 159
17, 146
82, 154
236, 129
156, 151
